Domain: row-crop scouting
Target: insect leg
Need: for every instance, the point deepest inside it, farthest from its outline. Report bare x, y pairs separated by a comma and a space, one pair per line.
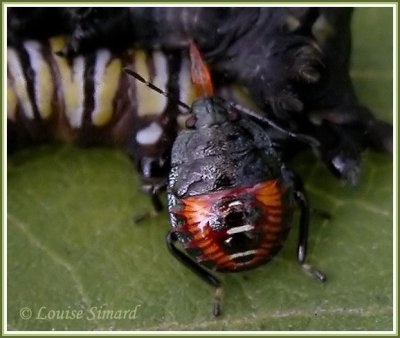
302, 201
154, 191
155, 200
307, 139
203, 273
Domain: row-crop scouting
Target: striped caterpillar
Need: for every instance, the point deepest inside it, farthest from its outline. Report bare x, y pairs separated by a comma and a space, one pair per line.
293, 62
90, 100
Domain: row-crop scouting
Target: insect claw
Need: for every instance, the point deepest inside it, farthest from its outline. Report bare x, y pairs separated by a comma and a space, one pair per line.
310, 270
320, 275
216, 309
348, 168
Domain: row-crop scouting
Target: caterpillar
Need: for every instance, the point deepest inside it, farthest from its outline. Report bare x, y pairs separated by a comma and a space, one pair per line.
293, 62
90, 100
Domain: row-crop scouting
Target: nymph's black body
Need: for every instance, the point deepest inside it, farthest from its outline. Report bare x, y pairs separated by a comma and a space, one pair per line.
231, 199
220, 152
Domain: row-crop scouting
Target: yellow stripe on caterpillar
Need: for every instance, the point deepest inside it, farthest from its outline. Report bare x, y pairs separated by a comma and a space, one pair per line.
149, 101
11, 102
57, 43
106, 80
72, 82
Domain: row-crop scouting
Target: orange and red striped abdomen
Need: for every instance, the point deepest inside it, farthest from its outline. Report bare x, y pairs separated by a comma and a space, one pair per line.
237, 228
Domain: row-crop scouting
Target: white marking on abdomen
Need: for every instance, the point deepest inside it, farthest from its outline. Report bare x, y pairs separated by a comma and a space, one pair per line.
235, 203
243, 254
43, 80
19, 82
149, 135
242, 228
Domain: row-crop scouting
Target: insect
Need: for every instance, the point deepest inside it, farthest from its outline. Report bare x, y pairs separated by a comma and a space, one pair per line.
231, 198
293, 63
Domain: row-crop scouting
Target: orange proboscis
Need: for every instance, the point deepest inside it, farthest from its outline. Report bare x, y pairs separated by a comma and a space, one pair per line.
201, 76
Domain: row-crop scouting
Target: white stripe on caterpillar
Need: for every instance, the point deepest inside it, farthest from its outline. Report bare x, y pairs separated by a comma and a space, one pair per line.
74, 93
106, 79
19, 82
161, 70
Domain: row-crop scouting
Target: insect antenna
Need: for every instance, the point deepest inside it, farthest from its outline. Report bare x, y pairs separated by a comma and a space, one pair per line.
155, 88
307, 139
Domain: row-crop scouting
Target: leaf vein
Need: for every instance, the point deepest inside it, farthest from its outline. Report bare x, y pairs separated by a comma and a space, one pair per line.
56, 258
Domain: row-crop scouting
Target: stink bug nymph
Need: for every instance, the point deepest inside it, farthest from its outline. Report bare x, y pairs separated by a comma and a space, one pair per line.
231, 199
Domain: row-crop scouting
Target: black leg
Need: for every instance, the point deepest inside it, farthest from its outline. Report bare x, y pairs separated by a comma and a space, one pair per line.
154, 191
302, 201
200, 271
155, 200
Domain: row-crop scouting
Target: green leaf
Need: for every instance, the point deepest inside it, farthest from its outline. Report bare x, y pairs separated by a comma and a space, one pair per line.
72, 243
